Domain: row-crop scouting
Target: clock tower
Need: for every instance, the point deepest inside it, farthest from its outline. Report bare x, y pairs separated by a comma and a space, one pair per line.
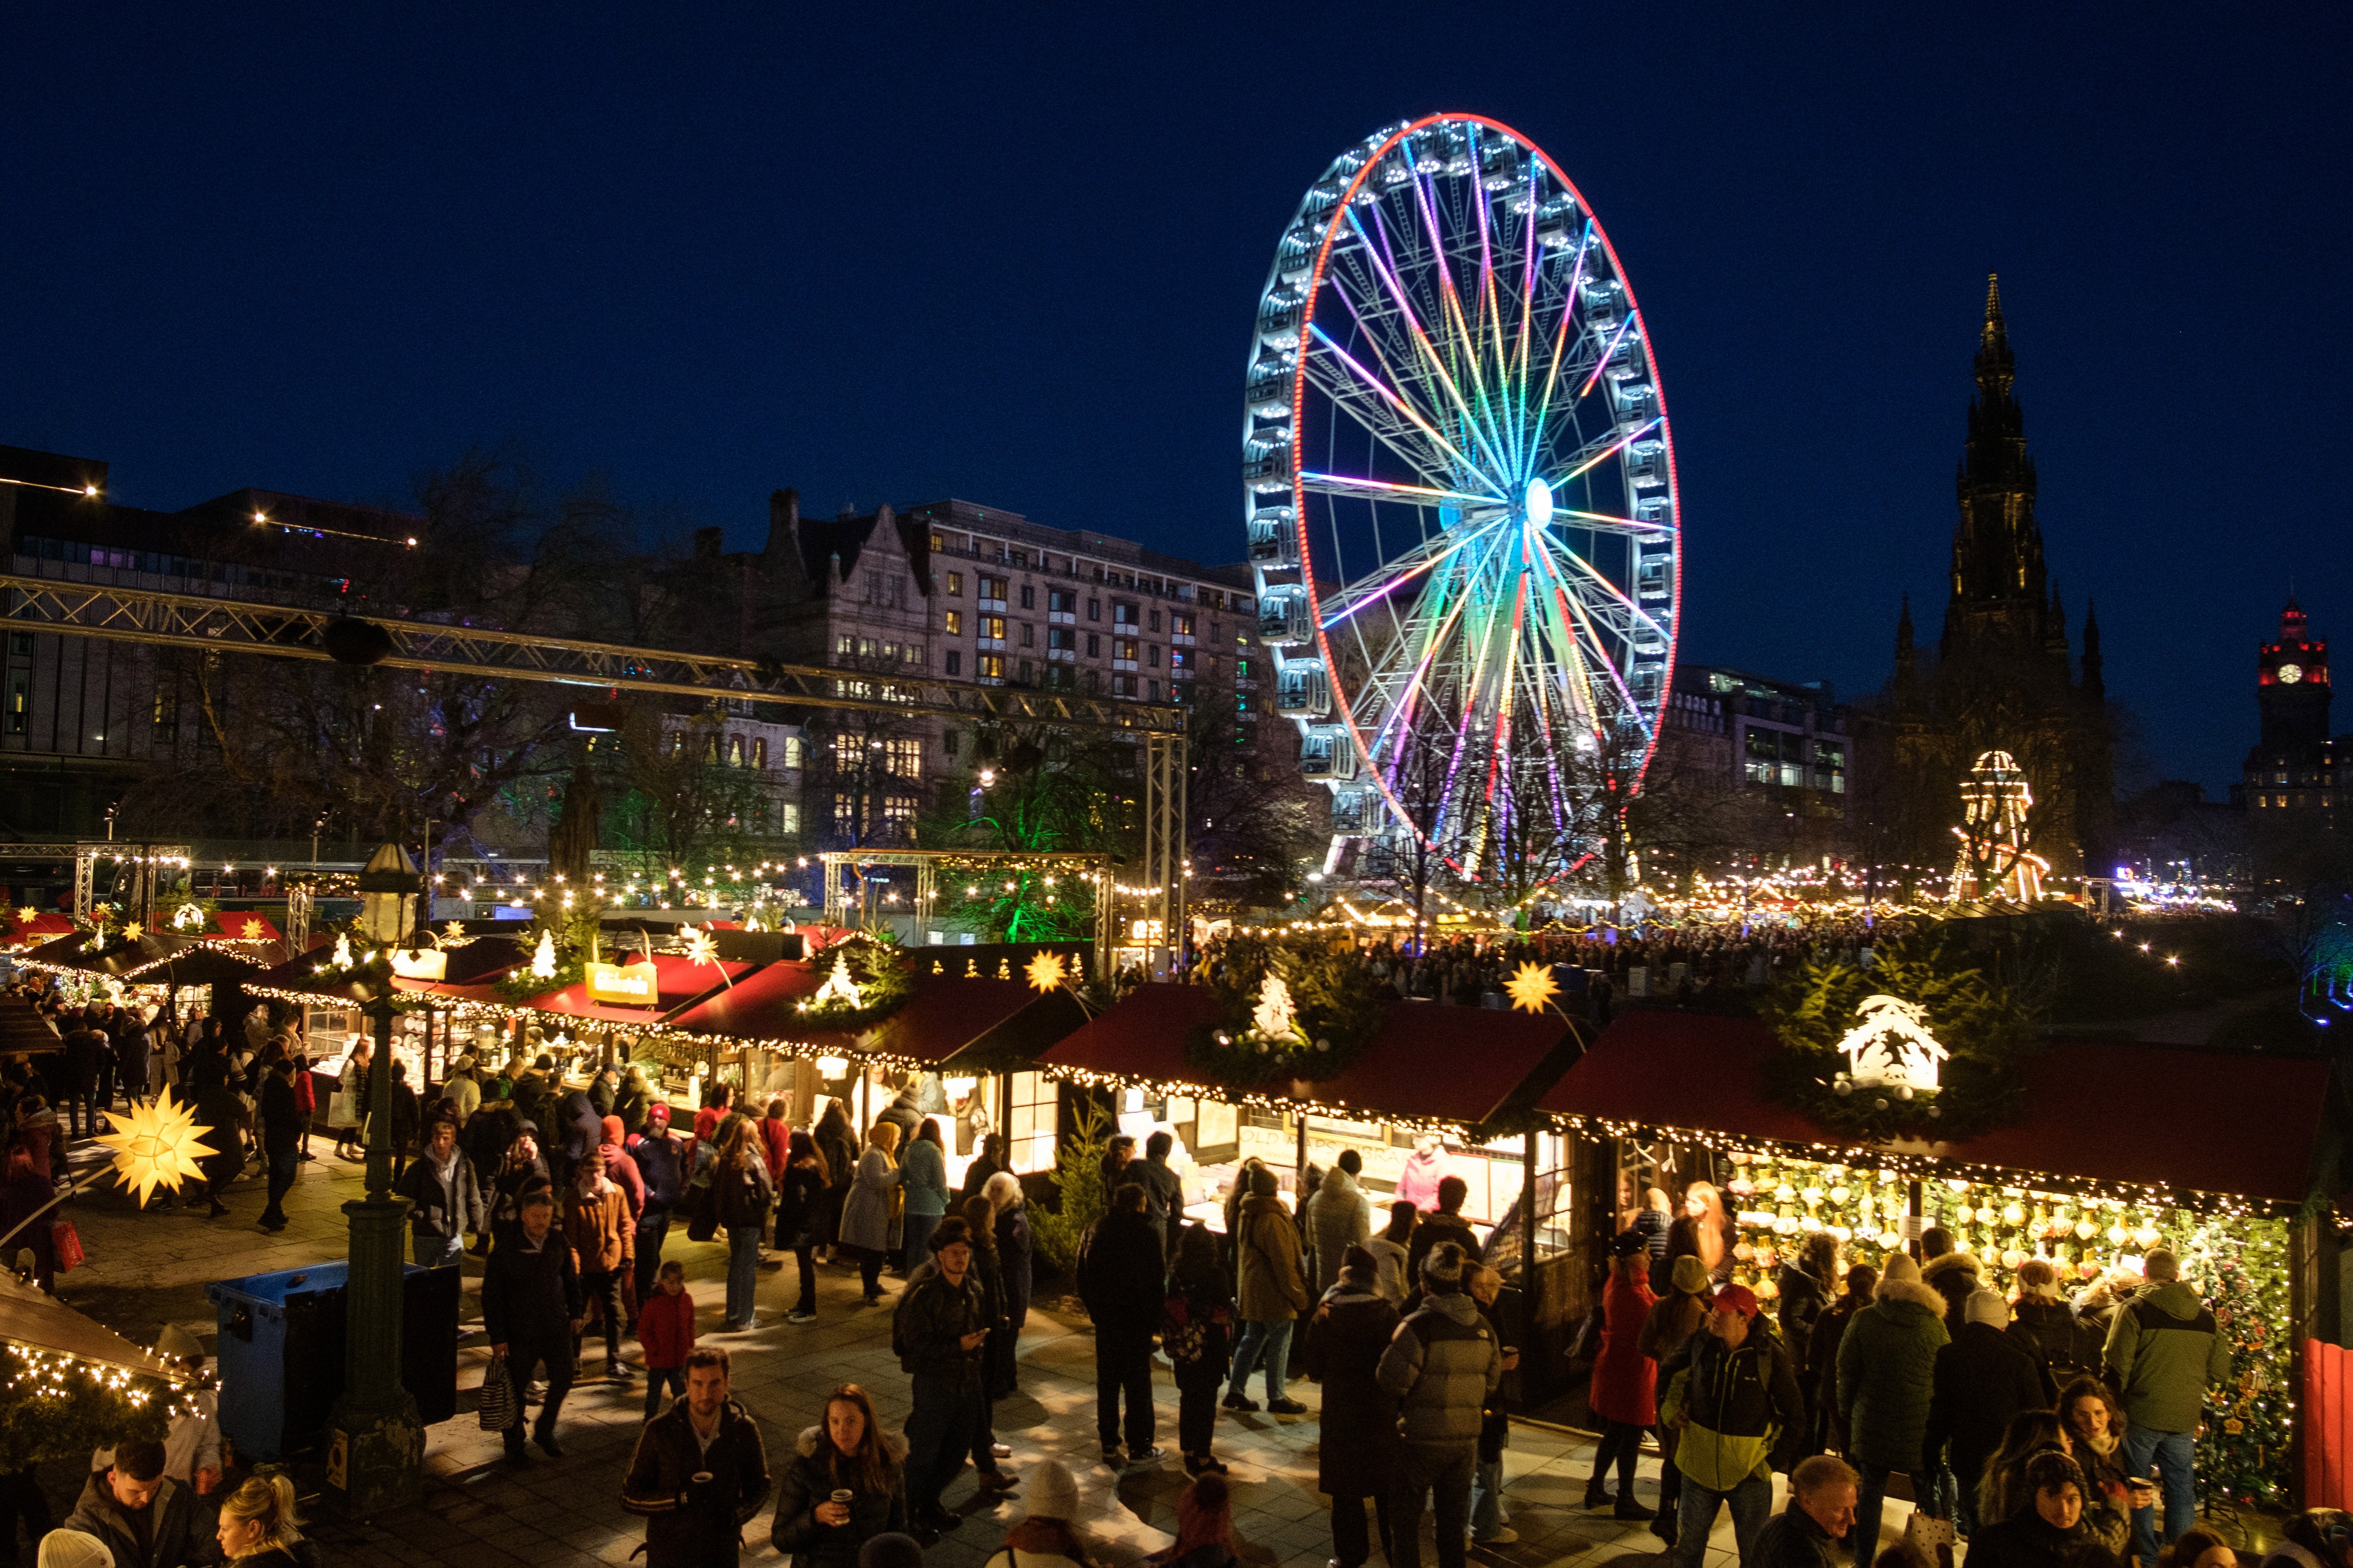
2292, 687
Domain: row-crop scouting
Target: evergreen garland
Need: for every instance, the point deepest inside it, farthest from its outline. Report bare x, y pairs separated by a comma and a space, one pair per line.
55, 1407
880, 970
1336, 1006
1986, 1025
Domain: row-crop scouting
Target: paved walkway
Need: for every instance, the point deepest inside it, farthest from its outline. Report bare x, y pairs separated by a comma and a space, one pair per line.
148, 1270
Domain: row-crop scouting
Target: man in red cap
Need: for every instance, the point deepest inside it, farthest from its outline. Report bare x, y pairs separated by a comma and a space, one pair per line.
1732, 1392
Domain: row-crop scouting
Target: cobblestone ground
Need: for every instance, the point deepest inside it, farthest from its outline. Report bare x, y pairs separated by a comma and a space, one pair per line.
147, 1269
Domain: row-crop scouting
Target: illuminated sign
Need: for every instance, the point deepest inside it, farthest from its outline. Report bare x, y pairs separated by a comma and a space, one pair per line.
633, 986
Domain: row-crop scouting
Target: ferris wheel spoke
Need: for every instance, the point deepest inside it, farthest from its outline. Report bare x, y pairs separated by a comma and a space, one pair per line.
1432, 553
1430, 354
1381, 412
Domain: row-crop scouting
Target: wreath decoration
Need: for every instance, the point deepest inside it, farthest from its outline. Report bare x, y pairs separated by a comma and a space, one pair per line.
1916, 993
1286, 1011
866, 981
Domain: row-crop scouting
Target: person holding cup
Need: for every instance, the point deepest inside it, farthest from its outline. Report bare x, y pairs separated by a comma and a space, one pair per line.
846, 1484
700, 1472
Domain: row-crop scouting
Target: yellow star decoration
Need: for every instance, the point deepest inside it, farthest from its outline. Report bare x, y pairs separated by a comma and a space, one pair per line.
454, 931
1531, 988
1045, 971
254, 930
27, 914
133, 931
699, 947
156, 1145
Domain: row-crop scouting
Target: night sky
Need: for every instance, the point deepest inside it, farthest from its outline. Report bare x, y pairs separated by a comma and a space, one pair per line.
896, 254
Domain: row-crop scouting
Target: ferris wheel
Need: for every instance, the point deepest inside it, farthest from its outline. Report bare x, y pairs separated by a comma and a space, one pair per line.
1459, 488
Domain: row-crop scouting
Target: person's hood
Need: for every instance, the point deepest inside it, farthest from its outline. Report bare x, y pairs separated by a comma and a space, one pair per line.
1355, 1285
1255, 1204
2033, 1306
99, 1497
894, 1446
1893, 1293
1951, 1263
44, 1117
1460, 1307
1794, 1278
2174, 1299
1338, 1181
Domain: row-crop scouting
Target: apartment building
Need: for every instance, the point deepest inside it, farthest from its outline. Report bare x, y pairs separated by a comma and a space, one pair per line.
1782, 735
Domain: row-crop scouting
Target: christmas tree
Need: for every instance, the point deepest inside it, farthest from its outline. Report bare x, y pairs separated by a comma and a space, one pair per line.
2241, 1268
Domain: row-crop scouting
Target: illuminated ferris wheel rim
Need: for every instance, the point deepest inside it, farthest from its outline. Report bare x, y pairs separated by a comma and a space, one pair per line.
1528, 498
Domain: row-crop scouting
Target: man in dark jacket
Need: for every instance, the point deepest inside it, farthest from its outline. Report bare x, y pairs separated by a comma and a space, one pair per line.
657, 1152
449, 1200
903, 1114
146, 1518
1983, 1379
1952, 1274
579, 1128
80, 1052
691, 1522
1441, 1366
939, 1330
1812, 1532
531, 1310
1164, 1191
283, 1129
1886, 1378
1123, 1279
1733, 1396
1446, 1225
131, 1052
1346, 1339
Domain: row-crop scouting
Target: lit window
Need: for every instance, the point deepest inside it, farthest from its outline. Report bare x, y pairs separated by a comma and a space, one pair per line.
990, 666
956, 585
952, 622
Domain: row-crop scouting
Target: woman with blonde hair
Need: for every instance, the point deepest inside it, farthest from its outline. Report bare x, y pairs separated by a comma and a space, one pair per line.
869, 1214
259, 1529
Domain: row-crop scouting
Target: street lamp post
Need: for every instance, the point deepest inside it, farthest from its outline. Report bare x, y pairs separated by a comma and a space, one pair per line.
375, 1438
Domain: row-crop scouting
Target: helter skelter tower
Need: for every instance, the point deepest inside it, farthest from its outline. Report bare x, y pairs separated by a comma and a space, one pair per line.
1995, 861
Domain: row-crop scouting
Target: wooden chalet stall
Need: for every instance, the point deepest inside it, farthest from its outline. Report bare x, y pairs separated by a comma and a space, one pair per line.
1447, 1090
2115, 1147
962, 1043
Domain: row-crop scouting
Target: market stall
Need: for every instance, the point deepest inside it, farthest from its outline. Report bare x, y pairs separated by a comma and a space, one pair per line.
2109, 1148
146, 969
1431, 1091
961, 1041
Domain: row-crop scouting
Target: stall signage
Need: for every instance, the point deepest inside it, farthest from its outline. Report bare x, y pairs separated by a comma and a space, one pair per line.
634, 986
420, 964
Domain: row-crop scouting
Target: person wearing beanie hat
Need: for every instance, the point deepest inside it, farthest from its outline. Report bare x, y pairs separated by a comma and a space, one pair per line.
1734, 1394
659, 1160
1441, 1366
940, 1329
1669, 1326
192, 1443
1350, 1329
1981, 1380
73, 1548
1269, 1292
1886, 1381
2163, 1353
1046, 1535
463, 1093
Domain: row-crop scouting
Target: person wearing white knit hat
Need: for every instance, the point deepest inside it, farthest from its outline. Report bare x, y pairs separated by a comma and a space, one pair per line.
73, 1548
1982, 1379
1047, 1534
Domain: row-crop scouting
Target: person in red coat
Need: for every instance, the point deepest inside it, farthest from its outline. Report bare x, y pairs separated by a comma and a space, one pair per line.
1625, 1381
666, 1330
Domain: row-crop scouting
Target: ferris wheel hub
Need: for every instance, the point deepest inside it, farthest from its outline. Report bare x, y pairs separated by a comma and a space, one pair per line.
1537, 503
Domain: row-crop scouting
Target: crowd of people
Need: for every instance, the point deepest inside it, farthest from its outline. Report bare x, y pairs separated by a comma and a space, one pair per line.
1677, 960
2040, 1432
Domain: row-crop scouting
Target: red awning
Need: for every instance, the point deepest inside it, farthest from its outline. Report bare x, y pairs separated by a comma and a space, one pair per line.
2155, 1116
943, 1015
677, 981
47, 923
1425, 1062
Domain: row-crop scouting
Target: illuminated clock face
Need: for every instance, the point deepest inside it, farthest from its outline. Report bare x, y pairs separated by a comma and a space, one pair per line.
2290, 674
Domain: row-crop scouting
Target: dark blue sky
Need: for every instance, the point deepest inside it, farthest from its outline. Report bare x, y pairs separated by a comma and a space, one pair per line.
891, 252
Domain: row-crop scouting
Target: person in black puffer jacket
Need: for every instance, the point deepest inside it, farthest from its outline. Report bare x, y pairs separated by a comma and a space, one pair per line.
849, 1452
659, 1157
1982, 1379
801, 1188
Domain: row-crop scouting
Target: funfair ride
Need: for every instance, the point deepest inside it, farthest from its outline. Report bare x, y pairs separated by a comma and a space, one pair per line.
1459, 487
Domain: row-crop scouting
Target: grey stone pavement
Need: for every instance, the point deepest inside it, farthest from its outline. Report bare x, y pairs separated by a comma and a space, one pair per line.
146, 1269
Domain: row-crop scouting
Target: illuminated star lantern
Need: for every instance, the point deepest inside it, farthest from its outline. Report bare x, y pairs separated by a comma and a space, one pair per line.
454, 929
27, 914
342, 959
838, 986
156, 1145
1531, 988
1890, 1046
543, 957
133, 931
1045, 971
701, 947
254, 930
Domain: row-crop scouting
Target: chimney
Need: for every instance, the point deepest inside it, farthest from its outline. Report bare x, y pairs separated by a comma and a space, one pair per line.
784, 521
706, 544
